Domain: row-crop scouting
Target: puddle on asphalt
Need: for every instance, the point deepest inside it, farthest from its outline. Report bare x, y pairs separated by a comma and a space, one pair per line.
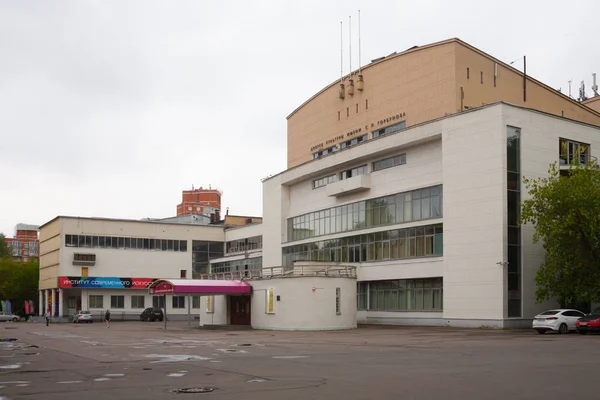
101, 379
290, 357
176, 374
11, 366
256, 380
193, 390
164, 358
231, 351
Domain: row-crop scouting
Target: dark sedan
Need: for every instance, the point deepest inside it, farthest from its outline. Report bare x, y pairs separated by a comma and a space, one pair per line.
589, 323
152, 314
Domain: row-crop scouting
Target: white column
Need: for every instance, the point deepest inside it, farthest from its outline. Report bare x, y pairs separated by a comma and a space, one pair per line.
53, 302
61, 306
84, 300
41, 304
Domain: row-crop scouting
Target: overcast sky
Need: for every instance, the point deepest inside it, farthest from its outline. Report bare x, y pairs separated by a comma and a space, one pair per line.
111, 108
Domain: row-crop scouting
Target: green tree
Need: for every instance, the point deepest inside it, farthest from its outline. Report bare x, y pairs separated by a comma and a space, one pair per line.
18, 282
565, 211
5, 249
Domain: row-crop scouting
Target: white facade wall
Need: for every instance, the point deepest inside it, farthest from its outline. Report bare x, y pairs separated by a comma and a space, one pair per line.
127, 312
466, 153
216, 313
306, 303
540, 135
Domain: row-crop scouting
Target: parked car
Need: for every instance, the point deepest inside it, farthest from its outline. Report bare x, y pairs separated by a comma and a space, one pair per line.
152, 314
589, 323
83, 316
9, 317
561, 321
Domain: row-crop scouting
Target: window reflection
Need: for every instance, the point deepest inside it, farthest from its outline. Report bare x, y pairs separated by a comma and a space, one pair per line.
396, 244
415, 205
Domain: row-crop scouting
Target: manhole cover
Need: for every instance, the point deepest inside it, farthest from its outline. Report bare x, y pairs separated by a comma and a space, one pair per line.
193, 390
8, 339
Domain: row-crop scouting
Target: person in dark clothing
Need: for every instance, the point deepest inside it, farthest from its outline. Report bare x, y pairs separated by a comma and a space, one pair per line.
107, 318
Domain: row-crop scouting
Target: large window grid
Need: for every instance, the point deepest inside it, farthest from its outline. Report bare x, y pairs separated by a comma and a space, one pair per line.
202, 252
401, 295
246, 244
247, 264
397, 244
513, 167
389, 162
113, 242
416, 205
390, 129
326, 180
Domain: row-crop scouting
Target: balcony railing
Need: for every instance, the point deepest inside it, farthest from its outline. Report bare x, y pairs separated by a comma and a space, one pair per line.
566, 160
335, 271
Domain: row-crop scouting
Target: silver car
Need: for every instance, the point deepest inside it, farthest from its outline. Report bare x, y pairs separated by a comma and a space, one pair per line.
83, 316
9, 317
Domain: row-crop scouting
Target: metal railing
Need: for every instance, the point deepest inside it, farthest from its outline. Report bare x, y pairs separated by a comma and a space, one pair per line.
336, 271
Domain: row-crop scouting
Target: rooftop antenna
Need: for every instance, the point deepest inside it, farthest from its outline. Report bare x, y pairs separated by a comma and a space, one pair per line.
570, 89
582, 92
594, 85
350, 89
341, 93
359, 84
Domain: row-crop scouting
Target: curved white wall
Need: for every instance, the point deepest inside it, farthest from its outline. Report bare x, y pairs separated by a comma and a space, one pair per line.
302, 308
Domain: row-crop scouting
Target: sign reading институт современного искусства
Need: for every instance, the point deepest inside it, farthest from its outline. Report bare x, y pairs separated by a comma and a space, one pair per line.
367, 128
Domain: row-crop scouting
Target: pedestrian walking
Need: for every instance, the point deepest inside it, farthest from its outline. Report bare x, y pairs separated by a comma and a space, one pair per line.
107, 318
47, 318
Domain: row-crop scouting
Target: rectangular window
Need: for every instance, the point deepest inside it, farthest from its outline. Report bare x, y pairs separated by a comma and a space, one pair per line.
353, 142
158, 301
404, 295
338, 301
138, 301
195, 301
389, 129
513, 166
117, 301
389, 162
317, 183
572, 152
96, 301
362, 170
178, 301
182, 274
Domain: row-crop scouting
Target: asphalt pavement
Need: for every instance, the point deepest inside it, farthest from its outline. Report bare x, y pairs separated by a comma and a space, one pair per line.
135, 360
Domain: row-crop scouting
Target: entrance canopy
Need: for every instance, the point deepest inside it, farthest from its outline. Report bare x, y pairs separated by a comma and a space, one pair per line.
199, 286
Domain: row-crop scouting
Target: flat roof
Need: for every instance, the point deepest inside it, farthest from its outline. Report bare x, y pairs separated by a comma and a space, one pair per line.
199, 286
129, 220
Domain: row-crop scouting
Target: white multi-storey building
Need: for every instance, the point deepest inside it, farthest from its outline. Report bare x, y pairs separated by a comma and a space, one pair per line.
428, 214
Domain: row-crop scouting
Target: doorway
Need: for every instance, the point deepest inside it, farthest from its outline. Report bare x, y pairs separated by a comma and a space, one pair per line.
239, 310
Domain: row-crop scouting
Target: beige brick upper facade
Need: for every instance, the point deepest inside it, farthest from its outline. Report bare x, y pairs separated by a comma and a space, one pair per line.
418, 85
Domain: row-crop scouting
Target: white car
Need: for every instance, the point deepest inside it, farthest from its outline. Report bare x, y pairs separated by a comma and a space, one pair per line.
9, 317
559, 320
83, 316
